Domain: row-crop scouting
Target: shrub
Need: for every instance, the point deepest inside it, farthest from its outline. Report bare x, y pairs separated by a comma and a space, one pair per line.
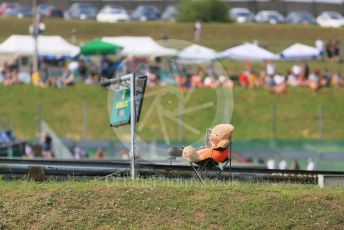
203, 10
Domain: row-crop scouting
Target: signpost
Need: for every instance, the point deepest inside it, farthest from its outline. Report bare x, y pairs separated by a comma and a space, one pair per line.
126, 107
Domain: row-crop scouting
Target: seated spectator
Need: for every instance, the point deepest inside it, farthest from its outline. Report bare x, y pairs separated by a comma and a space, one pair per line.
279, 86
100, 154
4, 138
36, 80
92, 79
29, 152
73, 68
310, 164
47, 151
303, 77
270, 83
11, 78
79, 153
181, 83
292, 80
66, 80
24, 77
296, 70
270, 164
196, 81
243, 79
282, 165
83, 70
253, 80
226, 82
314, 80
325, 79
153, 79
262, 79
294, 165
337, 80
210, 82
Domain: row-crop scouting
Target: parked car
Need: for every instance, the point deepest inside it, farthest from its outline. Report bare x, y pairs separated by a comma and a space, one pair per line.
112, 13
300, 17
81, 11
330, 19
241, 15
146, 12
19, 12
269, 16
49, 10
170, 13
6, 6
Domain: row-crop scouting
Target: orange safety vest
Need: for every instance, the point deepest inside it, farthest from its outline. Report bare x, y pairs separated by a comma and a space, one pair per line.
217, 155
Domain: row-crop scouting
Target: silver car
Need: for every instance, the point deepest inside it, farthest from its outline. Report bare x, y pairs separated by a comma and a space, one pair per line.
269, 16
241, 15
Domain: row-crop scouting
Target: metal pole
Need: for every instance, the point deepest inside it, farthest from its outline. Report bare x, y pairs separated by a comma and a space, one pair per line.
180, 128
85, 121
133, 127
320, 121
35, 36
274, 126
39, 118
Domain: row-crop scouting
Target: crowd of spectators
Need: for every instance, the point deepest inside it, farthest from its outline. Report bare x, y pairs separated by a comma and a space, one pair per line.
294, 164
186, 77
196, 78
7, 137
299, 75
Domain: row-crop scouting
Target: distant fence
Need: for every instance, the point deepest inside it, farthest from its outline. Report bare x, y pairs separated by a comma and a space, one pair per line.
283, 6
324, 153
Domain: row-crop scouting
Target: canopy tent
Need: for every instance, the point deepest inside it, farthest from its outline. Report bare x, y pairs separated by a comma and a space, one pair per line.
97, 46
248, 52
299, 52
196, 54
140, 46
23, 45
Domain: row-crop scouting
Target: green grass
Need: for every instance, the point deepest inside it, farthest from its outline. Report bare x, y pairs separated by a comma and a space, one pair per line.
63, 109
218, 36
146, 204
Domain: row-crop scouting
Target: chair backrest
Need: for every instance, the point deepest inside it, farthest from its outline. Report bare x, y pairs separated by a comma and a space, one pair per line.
207, 138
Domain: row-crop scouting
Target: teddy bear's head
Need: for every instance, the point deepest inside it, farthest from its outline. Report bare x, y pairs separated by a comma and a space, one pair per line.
221, 135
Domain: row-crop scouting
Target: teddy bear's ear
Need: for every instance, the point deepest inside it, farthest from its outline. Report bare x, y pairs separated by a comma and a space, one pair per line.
230, 128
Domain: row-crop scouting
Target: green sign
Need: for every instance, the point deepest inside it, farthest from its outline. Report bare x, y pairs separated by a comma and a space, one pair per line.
121, 107
120, 113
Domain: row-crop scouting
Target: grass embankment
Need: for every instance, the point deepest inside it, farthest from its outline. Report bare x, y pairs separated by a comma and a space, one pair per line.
63, 109
168, 205
219, 36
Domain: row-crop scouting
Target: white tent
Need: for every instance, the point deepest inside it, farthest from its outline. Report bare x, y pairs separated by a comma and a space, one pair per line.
196, 54
299, 52
23, 45
140, 46
248, 52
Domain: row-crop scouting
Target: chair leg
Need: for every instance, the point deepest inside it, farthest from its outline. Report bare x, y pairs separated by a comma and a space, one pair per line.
197, 175
218, 173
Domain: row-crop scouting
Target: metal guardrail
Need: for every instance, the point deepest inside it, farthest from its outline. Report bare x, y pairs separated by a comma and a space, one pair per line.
101, 168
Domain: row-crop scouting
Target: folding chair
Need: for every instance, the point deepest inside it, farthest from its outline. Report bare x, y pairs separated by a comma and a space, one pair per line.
201, 168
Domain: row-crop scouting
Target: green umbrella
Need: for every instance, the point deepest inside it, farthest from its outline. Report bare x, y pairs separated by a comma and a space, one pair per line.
97, 46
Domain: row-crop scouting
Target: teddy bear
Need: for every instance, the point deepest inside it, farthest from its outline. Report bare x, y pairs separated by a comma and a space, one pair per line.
220, 138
